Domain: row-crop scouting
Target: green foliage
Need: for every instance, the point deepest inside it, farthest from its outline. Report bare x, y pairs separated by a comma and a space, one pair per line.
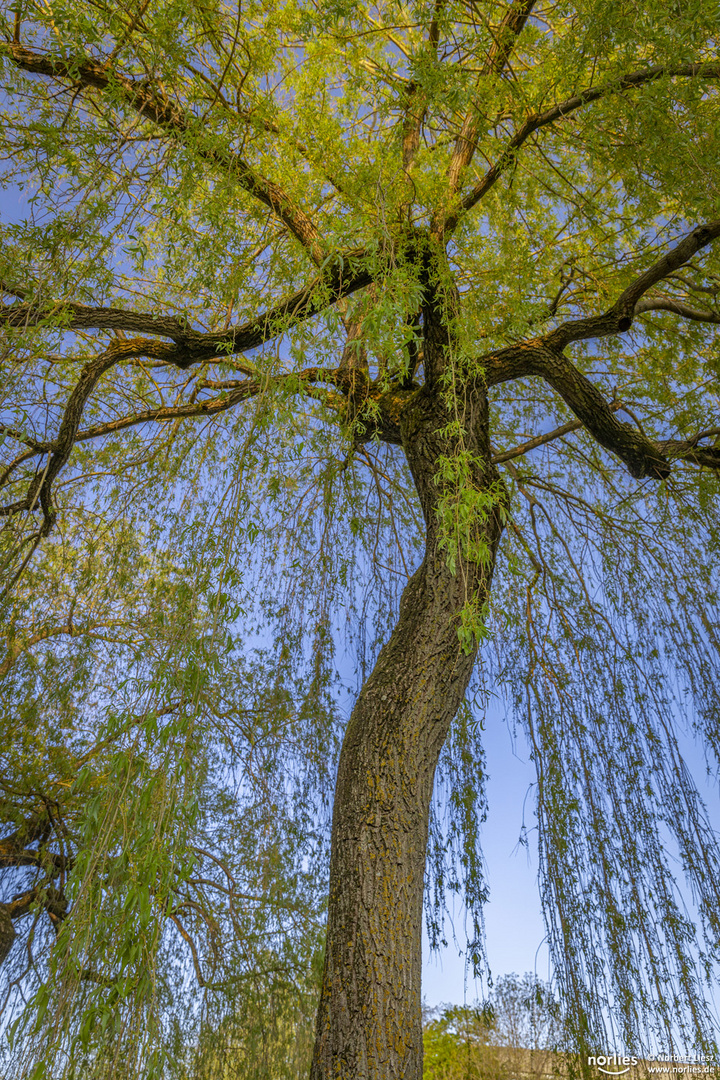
231, 534
457, 1044
514, 1034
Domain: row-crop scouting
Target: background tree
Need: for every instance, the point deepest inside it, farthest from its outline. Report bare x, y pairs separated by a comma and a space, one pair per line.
433, 280
457, 1043
158, 870
515, 1033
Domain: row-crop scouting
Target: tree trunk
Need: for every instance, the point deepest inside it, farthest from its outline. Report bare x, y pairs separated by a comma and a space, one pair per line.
369, 1018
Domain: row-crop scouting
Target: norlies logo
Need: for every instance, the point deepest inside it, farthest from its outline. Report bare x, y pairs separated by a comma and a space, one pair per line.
613, 1064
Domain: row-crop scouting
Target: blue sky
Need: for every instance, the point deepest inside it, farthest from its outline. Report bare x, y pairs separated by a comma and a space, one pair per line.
513, 915
514, 923
515, 931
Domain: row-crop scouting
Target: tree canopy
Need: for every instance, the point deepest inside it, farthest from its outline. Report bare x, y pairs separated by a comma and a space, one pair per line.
352, 352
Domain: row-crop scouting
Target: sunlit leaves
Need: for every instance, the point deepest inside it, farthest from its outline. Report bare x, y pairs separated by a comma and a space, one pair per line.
183, 647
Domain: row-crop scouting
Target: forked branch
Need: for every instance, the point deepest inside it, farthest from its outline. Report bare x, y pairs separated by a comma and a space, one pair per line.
642, 456
536, 121
620, 316
341, 276
505, 40
544, 357
39, 490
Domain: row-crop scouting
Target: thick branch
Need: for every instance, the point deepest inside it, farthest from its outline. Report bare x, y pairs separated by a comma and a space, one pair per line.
558, 112
620, 316
147, 100
677, 307
466, 143
642, 457
342, 276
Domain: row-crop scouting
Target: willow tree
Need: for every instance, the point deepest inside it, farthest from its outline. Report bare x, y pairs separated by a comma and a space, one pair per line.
469, 248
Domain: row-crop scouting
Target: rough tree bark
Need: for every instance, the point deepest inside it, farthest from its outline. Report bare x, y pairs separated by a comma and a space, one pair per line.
369, 1018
